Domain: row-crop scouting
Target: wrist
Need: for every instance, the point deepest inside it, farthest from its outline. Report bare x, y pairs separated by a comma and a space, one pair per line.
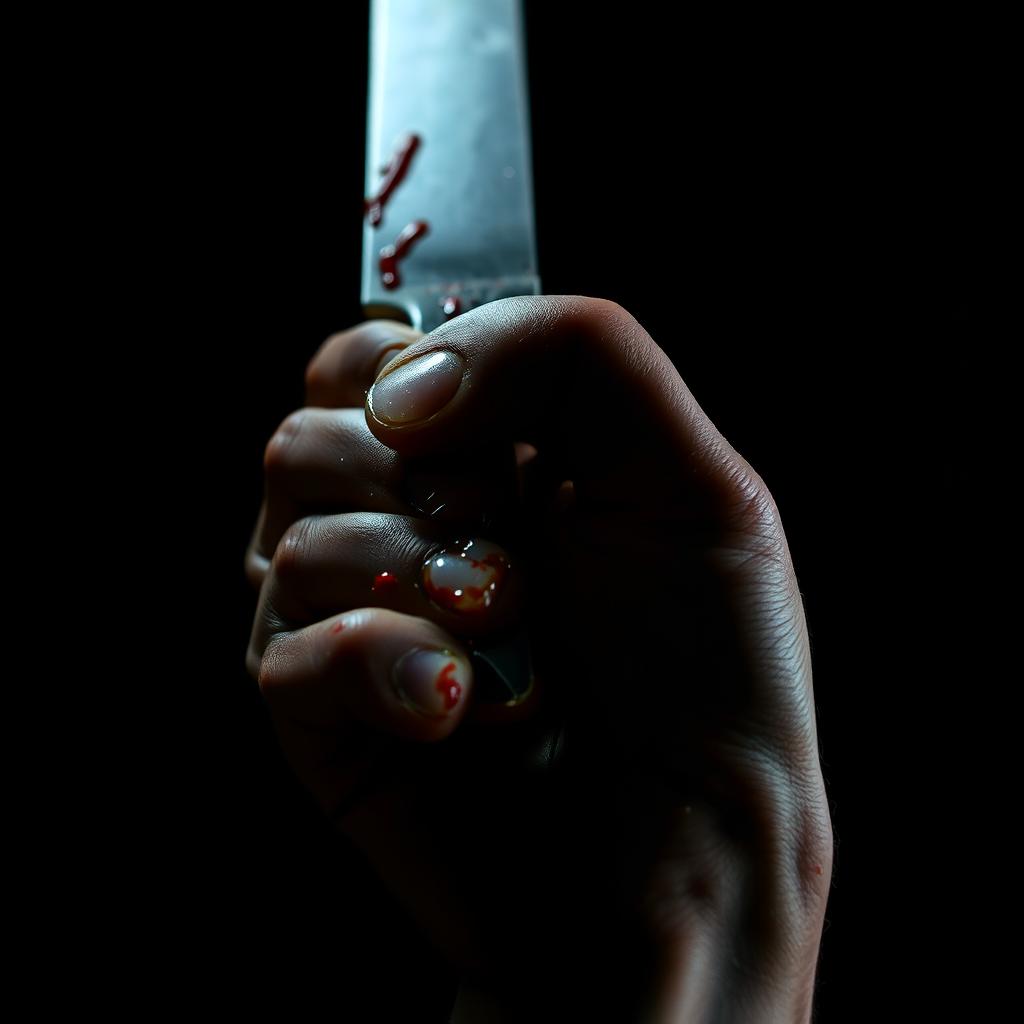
689, 982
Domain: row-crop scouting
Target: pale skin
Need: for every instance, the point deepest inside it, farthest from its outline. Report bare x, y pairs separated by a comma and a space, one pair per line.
647, 836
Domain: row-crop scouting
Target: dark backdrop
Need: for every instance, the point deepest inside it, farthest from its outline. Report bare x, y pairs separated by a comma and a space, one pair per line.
791, 210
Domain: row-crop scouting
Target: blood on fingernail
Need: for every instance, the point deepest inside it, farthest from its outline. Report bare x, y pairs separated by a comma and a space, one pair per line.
447, 686
430, 682
466, 577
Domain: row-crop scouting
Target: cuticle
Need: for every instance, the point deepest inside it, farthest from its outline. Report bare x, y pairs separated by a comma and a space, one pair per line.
398, 426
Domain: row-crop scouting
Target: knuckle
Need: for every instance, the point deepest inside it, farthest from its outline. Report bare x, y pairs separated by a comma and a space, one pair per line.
317, 375
253, 664
607, 314
611, 326
267, 675
611, 309
346, 354
749, 508
293, 550
277, 454
314, 379
255, 567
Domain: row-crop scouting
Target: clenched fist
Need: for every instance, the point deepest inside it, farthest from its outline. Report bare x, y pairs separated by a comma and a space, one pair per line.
529, 631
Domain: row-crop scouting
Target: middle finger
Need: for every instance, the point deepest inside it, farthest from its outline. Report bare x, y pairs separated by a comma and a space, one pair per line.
466, 584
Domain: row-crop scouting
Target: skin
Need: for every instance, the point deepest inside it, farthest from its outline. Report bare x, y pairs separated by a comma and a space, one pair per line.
648, 837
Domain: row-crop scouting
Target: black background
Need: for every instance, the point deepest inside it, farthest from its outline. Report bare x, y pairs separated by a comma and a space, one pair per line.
794, 212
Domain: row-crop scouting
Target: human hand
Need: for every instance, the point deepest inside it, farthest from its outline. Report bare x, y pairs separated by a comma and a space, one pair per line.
674, 842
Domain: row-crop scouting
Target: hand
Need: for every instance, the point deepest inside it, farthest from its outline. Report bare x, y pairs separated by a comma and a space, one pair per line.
649, 832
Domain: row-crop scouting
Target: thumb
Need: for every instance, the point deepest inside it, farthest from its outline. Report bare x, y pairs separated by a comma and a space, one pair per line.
579, 379
672, 535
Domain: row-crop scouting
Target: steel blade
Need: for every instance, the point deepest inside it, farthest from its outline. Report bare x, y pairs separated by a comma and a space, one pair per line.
448, 170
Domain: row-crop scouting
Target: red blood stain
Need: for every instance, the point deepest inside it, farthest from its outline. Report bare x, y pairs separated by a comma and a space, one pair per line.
493, 561
451, 306
447, 686
391, 254
817, 869
394, 173
338, 626
384, 580
470, 599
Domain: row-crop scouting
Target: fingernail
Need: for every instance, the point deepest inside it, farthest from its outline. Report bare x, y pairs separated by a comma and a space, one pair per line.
417, 390
466, 576
430, 682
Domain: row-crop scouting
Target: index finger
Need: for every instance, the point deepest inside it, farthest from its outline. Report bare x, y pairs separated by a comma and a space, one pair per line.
346, 364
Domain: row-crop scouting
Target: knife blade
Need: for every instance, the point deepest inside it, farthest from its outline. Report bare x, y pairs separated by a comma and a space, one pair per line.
449, 219
448, 148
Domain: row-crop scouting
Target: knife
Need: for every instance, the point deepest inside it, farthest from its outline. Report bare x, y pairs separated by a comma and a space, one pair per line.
448, 219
